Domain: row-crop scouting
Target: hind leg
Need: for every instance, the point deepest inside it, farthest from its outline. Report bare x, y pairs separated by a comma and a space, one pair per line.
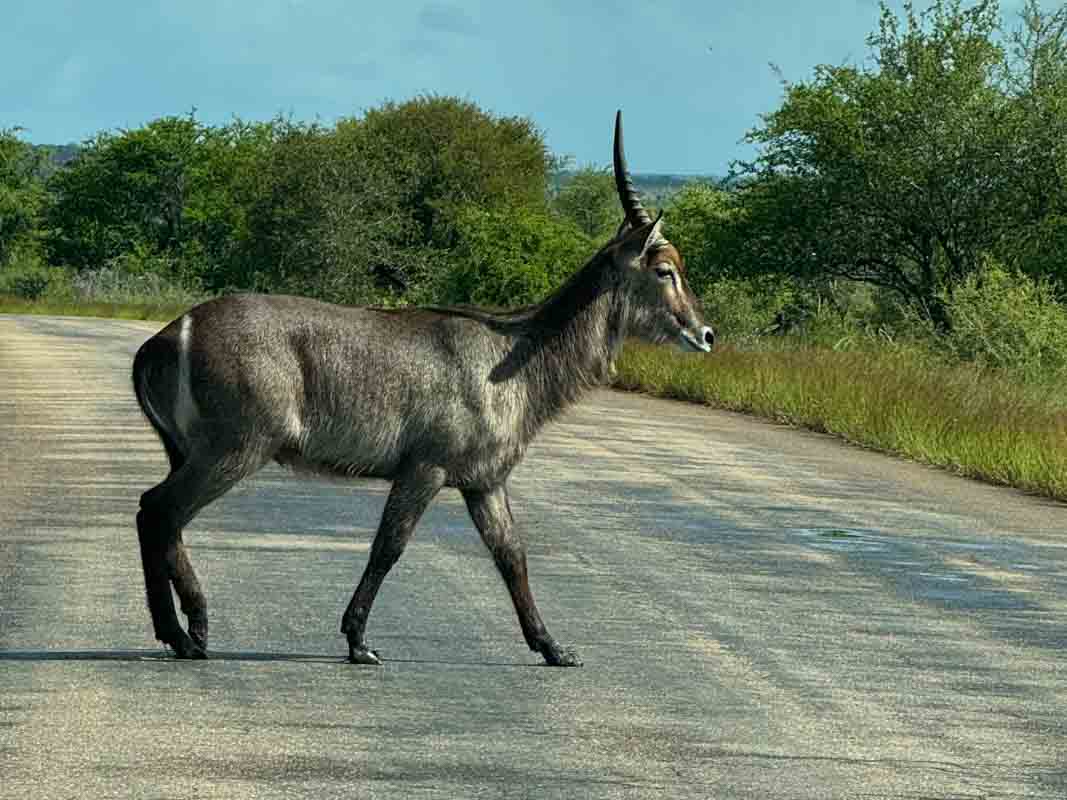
187, 587
179, 572
165, 510
155, 533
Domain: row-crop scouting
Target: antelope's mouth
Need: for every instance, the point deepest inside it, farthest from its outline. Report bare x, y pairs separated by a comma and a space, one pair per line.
699, 343
691, 343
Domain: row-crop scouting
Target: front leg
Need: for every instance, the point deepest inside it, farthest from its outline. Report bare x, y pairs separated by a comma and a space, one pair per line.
491, 513
411, 493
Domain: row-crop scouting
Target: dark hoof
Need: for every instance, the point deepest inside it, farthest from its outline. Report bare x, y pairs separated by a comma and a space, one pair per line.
198, 633
363, 655
562, 658
186, 649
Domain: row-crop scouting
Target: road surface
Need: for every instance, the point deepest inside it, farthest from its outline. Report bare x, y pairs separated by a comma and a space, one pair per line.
762, 612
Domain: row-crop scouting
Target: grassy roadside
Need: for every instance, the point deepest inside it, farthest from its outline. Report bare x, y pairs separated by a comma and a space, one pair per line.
974, 424
162, 312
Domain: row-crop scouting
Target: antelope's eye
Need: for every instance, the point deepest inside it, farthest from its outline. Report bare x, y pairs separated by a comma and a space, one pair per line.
663, 272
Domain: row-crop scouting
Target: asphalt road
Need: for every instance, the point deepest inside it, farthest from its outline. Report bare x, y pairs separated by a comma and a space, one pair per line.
762, 612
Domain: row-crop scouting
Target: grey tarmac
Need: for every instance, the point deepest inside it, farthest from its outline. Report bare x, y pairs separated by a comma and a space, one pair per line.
762, 612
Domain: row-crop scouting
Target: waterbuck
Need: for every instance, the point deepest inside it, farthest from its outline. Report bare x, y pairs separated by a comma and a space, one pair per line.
422, 397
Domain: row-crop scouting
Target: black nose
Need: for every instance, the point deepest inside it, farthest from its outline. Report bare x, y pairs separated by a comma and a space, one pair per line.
709, 336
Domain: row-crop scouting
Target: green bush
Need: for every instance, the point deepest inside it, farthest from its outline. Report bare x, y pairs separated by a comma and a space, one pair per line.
740, 309
28, 278
22, 196
512, 256
699, 220
27, 284
841, 315
1007, 320
589, 200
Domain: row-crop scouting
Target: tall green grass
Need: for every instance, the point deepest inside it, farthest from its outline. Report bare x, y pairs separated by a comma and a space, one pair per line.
150, 310
34, 288
976, 423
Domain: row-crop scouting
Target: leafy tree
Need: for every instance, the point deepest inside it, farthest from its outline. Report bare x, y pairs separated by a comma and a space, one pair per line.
262, 221
902, 174
590, 200
226, 180
701, 221
367, 211
125, 188
324, 219
1007, 320
243, 206
447, 153
174, 192
22, 195
393, 183
1037, 78
513, 256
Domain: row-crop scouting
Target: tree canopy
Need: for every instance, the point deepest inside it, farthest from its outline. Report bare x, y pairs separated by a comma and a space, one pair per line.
886, 184
22, 195
590, 200
365, 210
905, 172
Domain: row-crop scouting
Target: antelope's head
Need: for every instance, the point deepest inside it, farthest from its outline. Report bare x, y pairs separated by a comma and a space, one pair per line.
662, 306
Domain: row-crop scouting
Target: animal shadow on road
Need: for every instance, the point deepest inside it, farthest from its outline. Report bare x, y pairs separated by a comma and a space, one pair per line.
233, 655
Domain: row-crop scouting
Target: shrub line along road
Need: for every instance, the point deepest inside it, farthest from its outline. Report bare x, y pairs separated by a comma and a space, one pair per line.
763, 612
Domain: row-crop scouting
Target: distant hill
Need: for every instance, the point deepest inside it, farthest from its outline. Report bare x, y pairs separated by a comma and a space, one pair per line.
56, 155
59, 154
652, 181
655, 187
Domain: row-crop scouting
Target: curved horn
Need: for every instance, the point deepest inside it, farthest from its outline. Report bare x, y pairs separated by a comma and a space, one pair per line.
631, 201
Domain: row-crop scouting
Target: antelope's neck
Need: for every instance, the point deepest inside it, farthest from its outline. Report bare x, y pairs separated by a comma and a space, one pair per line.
573, 338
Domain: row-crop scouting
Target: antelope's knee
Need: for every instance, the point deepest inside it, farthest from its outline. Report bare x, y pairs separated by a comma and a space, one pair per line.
153, 515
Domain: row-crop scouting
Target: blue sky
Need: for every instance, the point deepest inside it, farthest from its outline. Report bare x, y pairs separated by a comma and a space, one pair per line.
691, 75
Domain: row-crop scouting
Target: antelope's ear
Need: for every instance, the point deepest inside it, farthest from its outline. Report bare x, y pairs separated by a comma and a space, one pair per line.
640, 240
654, 237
